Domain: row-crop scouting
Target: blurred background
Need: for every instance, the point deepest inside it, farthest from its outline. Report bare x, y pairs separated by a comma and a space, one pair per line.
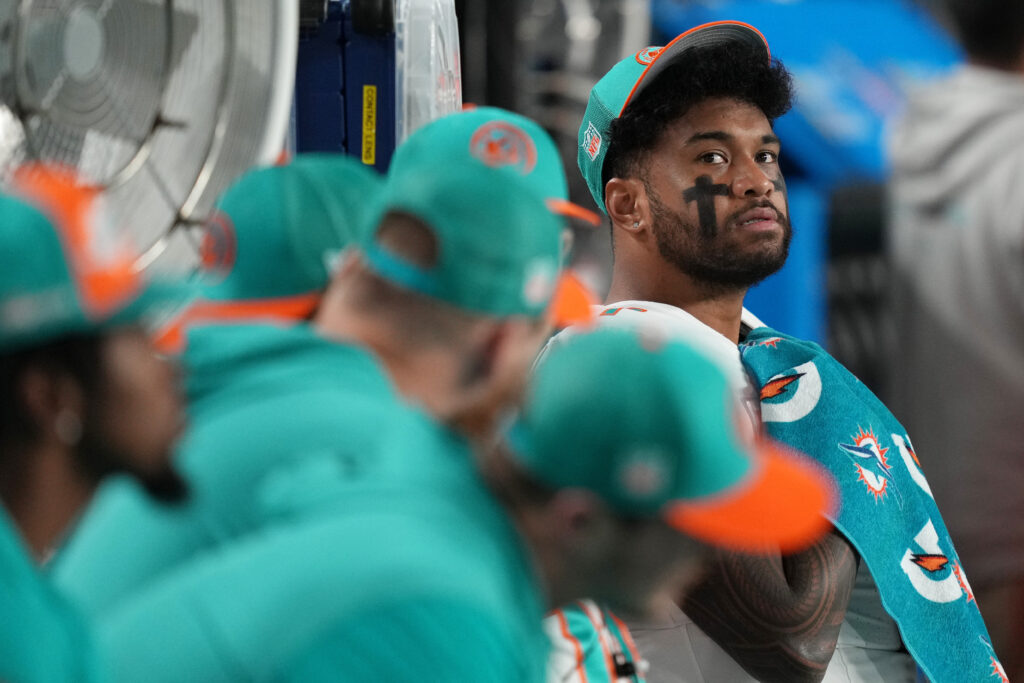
164, 123
854, 62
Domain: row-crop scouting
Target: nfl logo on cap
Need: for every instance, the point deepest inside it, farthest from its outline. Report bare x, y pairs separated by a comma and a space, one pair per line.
592, 141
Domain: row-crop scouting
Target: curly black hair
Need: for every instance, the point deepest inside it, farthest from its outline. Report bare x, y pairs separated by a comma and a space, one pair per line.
734, 70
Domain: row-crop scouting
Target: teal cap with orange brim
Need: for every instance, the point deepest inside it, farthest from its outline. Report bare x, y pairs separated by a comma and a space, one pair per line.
453, 173
610, 97
276, 233
62, 274
498, 245
500, 139
269, 247
649, 425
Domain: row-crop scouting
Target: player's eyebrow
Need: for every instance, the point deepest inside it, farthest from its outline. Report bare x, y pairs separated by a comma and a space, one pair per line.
722, 136
719, 135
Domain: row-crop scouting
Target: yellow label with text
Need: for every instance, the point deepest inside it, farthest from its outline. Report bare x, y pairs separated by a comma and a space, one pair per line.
369, 124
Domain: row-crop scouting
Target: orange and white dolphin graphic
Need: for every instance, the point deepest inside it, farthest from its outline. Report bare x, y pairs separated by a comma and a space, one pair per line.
929, 570
906, 450
802, 385
870, 461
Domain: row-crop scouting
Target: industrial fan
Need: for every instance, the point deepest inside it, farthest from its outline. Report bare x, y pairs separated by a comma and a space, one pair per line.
159, 103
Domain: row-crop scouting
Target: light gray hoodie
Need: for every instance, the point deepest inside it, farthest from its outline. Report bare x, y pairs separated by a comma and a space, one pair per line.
956, 242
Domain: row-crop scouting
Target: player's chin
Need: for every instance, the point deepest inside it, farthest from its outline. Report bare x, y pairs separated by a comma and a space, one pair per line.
760, 246
164, 484
763, 259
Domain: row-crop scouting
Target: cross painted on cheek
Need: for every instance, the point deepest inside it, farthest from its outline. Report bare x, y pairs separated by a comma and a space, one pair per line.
704, 193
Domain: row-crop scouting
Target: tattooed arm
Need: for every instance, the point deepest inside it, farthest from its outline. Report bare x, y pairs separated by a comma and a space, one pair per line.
778, 617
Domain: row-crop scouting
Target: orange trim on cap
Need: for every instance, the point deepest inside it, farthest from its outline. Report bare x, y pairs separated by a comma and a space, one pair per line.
171, 338
288, 307
781, 507
680, 37
103, 286
570, 210
571, 303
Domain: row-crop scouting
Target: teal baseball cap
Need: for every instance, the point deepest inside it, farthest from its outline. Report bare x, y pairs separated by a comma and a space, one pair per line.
499, 139
271, 243
627, 79
498, 244
650, 426
62, 274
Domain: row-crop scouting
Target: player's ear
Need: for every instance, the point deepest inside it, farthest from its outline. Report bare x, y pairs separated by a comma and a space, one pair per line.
625, 200
48, 395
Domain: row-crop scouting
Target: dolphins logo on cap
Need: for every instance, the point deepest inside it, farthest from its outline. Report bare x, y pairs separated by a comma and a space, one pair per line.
219, 245
648, 55
499, 143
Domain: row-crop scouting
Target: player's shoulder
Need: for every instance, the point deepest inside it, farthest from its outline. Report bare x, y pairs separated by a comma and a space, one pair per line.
240, 363
662, 320
218, 355
42, 636
649, 314
436, 637
634, 315
255, 344
211, 337
380, 558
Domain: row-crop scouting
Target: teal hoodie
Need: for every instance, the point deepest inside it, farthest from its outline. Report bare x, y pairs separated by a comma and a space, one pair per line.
260, 397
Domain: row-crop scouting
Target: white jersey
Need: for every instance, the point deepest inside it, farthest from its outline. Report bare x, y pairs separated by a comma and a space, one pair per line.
675, 323
676, 649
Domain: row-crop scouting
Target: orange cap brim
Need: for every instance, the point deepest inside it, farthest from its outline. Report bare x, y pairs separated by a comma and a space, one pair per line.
102, 285
170, 339
570, 210
783, 505
572, 302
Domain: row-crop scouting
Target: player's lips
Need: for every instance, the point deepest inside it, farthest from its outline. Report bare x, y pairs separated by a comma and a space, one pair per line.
759, 219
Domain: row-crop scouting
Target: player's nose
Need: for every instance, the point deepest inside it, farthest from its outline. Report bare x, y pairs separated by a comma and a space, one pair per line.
751, 180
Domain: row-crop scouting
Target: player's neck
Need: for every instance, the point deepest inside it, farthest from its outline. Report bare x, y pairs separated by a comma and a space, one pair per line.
44, 495
717, 307
535, 531
423, 377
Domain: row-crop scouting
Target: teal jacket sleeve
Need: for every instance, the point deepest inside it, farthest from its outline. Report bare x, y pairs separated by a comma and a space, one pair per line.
329, 594
425, 640
124, 541
173, 634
